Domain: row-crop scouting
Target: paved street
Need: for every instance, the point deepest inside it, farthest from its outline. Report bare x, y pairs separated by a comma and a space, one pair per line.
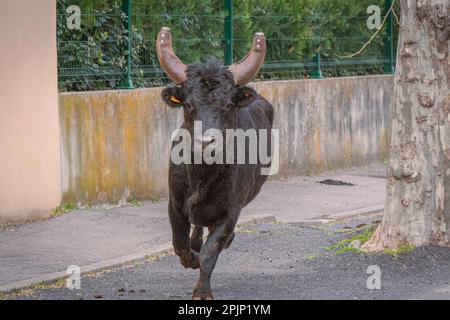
276, 261
97, 238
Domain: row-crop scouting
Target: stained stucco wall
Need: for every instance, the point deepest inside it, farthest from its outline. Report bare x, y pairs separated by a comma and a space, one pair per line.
29, 127
115, 144
332, 123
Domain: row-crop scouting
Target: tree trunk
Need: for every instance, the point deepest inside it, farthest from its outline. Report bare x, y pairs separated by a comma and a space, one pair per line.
417, 209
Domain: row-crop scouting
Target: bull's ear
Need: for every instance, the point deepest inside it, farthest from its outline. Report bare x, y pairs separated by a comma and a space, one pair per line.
244, 96
173, 96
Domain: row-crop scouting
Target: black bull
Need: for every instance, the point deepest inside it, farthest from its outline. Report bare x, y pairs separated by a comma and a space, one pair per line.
212, 195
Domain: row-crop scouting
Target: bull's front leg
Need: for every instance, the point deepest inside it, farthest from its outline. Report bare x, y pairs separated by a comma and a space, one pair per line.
197, 239
218, 236
181, 227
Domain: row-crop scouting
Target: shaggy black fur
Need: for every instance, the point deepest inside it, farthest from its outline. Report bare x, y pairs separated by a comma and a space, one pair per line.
212, 195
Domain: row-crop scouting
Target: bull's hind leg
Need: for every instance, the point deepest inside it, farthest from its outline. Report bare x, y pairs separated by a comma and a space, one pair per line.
197, 238
218, 236
180, 237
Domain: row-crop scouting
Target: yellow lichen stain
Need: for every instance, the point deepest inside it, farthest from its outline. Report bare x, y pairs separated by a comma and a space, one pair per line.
110, 180
290, 90
265, 94
121, 145
317, 147
347, 148
95, 165
99, 146
130, 139
265, 91
152, 126
88, 176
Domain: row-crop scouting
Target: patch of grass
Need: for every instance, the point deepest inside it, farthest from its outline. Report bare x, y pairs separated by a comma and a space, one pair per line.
248, 231
276, 222
361, 234
133, 201
31, 290
156, 200
312, 257
345, 231
63, 209
158, 256
89, 205
56, 212
99, 273
152, 258
333, 222
4, 226
401, 249
347, 249
47, 285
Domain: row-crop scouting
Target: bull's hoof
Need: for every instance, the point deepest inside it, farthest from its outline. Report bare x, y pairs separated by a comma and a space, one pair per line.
202, 294
202, 298
190, 260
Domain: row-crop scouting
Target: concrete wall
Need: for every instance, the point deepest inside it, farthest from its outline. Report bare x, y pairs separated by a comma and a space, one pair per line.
29, 128
332, 123
115, 144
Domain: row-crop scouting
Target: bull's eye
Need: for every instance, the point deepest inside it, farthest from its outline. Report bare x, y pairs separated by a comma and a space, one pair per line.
228, 107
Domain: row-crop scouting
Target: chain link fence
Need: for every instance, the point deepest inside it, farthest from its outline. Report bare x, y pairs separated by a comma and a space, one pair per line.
110, 44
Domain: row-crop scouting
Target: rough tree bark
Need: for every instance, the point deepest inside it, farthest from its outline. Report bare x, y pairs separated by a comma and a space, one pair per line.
417, 209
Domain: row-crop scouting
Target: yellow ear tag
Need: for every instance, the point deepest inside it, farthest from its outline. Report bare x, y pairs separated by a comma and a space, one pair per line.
175, 100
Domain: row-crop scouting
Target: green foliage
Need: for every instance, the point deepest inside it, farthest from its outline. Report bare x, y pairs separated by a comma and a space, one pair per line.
95, 56
197, 29
296, 30
400, 250
63, 208
362, 234
133, 200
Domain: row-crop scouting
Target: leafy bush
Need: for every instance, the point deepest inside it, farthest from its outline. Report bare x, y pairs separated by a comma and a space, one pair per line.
296, 30
95, 57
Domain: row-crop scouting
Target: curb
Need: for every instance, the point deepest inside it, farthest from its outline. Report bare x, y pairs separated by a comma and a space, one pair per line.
160, 249
256, 219
360, 212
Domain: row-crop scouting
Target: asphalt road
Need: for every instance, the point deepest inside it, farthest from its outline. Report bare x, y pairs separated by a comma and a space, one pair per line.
274, 261
92, 236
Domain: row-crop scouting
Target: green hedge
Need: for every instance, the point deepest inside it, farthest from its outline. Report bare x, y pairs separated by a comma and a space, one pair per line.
95, 57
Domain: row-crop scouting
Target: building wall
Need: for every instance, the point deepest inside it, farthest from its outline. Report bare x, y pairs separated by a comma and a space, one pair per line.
115, 144
29, 127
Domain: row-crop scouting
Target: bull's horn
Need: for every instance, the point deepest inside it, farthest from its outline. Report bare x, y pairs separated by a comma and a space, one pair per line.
170, 63
247, 68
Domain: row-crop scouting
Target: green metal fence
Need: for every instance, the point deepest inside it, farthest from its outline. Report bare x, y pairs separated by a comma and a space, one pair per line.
115, 44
